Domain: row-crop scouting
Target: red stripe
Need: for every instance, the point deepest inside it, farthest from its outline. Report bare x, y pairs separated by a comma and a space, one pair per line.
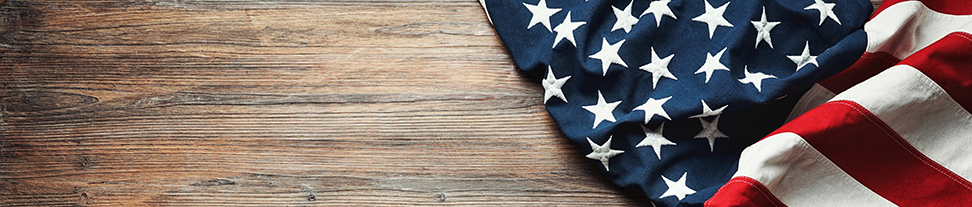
868, 65
953, 7
873, 154
948, 62
743, 191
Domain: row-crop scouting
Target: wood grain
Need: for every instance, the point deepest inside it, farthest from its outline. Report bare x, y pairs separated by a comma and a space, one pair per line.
275, 103
253, 103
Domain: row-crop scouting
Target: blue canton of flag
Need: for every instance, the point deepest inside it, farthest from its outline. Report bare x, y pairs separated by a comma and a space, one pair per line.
664, 95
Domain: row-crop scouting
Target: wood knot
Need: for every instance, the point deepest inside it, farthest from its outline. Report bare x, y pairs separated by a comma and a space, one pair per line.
310, 193
85, 163
83, 199
440, 197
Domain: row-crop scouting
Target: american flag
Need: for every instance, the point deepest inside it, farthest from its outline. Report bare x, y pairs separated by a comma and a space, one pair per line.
665, 95
894, 129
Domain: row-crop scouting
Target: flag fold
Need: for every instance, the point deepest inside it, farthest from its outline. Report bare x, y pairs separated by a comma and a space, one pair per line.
664, 95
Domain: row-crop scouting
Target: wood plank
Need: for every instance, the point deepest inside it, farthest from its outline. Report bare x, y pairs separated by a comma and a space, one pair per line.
250, 103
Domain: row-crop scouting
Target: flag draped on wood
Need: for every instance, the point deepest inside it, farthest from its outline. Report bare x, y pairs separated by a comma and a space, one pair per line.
665, 95
892, 130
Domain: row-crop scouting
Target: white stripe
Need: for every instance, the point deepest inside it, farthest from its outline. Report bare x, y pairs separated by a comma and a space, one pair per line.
799, 175
483, 2
906, 27
923, 113
816, 96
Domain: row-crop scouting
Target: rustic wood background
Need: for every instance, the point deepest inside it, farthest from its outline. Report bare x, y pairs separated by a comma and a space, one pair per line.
275, 103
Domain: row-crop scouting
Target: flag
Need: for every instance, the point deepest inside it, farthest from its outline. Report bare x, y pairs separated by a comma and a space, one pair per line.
894, 129
663, 96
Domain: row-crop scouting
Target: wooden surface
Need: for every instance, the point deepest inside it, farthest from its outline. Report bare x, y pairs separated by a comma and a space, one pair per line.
275, 103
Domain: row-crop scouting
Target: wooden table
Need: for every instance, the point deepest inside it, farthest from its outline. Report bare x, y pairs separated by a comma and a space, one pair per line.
275, 103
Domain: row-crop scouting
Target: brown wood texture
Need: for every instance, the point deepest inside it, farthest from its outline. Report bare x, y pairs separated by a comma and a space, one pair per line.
275, 103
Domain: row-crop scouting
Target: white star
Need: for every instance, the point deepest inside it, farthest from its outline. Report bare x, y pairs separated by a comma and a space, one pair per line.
625, 20
566, 30
659, 9
658, 68
755, 78
602, 152
763, 29
825, 9
707, 112
710, 131
608, 55
677, 188
653, 107
712, 64
602, 111
655, 139
541, 14
552, 85
804, 58
713, 17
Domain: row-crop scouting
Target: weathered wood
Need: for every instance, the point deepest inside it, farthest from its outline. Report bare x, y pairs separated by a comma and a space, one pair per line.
176, 103
270, 103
